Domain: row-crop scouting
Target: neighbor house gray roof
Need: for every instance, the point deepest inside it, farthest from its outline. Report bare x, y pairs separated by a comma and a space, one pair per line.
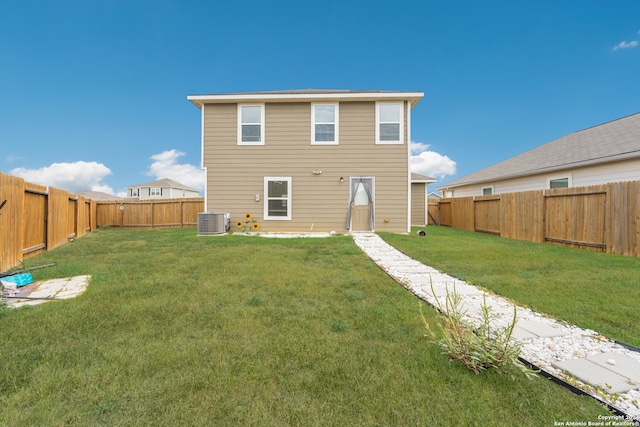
165, 183
97, 195
417, 178
608, 142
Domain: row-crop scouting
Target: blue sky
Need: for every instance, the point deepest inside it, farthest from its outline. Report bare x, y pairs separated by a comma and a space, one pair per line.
93, 92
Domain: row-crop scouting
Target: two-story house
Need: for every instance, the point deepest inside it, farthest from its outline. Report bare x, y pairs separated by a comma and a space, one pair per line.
164, 188
309, 160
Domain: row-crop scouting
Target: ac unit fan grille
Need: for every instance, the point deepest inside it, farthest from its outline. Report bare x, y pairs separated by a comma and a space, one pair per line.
211, 223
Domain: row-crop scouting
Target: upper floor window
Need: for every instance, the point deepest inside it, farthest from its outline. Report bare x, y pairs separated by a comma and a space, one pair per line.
134, 192
389, 117
251, 124
324, 123
155, 191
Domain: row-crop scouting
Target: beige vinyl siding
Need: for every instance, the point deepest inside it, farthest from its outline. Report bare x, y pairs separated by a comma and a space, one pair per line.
319, 202
418, 203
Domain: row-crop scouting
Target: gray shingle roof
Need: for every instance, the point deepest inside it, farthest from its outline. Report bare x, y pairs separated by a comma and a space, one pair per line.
98, 195
615, 140
165, 183
415, 177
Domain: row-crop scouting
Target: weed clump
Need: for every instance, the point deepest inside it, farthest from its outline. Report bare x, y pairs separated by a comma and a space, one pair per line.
478, 347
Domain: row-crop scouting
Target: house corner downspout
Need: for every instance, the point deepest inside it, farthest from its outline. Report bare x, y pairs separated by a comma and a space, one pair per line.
202, 166
408, 167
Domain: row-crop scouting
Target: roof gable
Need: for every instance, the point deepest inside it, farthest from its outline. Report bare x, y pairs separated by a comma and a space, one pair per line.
615, 140
165, 183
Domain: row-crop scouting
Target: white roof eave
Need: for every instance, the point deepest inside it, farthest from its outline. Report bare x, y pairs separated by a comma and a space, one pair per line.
199, 100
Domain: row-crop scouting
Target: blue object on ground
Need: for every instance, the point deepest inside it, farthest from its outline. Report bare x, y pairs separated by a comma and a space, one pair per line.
19, 279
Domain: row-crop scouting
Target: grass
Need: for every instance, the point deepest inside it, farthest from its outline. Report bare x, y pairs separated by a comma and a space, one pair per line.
590, 289
176, 329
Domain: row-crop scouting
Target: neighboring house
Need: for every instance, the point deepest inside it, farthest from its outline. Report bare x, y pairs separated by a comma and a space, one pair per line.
609, 152
98, 195
161, 189
309, 160
419, 198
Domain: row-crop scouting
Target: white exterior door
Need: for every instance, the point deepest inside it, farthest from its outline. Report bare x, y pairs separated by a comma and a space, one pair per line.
361, 203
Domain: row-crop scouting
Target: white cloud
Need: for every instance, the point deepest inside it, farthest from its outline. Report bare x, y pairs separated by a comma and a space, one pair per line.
626, 45
430, 163
418, 147
165, 166
73, 177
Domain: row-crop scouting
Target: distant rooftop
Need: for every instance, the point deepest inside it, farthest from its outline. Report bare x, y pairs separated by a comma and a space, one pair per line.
97, 195
164, 183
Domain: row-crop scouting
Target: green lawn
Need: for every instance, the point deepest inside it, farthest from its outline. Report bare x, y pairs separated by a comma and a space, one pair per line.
590, 289
183, 330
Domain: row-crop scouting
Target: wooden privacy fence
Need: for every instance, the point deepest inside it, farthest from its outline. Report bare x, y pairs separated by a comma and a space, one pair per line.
603, 217
149, 213
35, 218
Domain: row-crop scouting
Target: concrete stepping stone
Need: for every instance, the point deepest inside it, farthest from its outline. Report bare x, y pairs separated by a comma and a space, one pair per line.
541, 329
522, 334
441, 289
619, 363
596, 375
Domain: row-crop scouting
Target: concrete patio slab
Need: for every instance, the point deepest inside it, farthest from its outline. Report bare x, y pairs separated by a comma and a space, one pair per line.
50, 290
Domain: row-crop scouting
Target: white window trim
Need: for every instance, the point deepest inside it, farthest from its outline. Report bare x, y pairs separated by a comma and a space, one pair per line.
490, 187
155, 191
266, 198
401, 133
240, 141
335, 123
565, 176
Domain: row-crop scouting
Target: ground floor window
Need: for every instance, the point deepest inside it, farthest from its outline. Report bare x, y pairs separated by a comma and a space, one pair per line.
277, 198
559, 183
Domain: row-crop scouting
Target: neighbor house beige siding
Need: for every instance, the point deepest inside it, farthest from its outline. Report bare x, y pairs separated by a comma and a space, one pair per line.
624, 170
320, 202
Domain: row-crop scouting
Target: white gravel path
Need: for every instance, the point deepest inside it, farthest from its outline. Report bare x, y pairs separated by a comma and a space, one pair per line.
559, 341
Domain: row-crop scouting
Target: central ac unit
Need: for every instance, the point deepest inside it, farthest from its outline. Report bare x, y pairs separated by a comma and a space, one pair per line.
211, 223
